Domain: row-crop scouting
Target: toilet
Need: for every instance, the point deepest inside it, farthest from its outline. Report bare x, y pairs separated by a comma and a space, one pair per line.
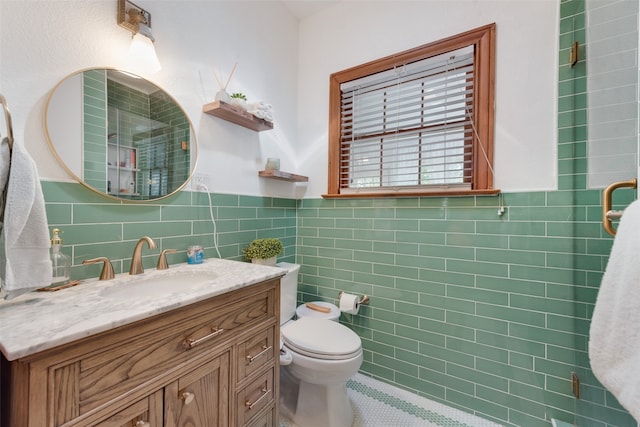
318, 356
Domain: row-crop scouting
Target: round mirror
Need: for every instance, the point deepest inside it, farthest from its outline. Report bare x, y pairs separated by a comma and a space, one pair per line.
120, 135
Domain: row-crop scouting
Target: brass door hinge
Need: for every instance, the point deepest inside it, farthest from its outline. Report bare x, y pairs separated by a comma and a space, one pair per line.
574, 54
575, 385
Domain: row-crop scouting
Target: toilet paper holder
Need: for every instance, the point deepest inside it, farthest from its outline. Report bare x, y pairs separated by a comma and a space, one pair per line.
363, 300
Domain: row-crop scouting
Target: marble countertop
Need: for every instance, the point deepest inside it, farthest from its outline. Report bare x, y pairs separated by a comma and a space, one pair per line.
38, 321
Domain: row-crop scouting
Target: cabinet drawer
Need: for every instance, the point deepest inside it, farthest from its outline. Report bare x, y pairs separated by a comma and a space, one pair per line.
255, 353
265, 420
256, 395
162, 346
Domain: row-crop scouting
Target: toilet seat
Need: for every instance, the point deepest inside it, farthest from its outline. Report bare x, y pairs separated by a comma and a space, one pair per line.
321, 339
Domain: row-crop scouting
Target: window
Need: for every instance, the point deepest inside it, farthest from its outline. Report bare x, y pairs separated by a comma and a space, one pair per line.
416, 123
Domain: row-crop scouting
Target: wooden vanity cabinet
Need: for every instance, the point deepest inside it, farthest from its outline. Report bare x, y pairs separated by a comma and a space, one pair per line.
211, 363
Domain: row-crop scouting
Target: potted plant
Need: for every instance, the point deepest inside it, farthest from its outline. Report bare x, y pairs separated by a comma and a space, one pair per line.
263, 251
239, 100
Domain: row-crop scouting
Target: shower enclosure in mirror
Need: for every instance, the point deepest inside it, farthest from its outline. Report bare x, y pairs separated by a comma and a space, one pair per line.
120, 135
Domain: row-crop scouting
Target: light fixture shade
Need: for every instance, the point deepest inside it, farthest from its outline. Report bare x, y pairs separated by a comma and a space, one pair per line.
142, 54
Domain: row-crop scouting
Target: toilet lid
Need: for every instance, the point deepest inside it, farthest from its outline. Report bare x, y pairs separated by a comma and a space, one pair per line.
321, 338
334, 313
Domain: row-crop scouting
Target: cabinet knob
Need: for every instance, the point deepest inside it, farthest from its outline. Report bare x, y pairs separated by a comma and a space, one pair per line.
187, 397
143, 424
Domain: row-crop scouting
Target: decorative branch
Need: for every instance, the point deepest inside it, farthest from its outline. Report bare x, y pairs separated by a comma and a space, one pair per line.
219, 78
213, 70
230, 75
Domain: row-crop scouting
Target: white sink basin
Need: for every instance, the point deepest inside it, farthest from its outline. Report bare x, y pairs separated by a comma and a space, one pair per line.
159, 284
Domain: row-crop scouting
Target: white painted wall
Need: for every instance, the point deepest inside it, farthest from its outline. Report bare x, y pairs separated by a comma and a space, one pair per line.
354, 32
42, 41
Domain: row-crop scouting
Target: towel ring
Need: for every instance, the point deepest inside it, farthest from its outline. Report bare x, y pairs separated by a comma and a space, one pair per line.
609, 215
7, 119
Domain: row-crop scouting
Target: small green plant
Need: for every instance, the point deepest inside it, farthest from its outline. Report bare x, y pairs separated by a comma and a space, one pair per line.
239, 96
263, 248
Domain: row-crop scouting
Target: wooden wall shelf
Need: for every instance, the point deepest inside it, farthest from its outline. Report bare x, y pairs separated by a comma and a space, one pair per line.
227, 112
283, 176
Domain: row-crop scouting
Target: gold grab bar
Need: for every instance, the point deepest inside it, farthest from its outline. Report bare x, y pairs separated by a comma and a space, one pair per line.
7, 119
609, 215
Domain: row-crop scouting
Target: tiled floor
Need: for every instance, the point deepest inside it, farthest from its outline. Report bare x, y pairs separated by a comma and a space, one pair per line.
377, 404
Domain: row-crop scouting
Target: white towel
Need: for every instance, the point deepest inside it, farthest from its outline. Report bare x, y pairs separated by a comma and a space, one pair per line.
614, 343
261, 110
25, 240
5, 159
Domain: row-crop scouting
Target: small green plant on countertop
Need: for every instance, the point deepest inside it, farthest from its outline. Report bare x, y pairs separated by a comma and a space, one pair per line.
263, 248
239, 96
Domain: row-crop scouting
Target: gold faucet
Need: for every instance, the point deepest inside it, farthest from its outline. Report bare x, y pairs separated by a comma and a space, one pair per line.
136, 258
107, 268
162, 259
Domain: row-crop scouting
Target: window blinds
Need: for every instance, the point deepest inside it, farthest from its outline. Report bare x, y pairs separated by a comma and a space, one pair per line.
409, 127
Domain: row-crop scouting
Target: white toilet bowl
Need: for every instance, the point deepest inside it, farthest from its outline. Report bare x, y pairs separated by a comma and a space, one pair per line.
320, 371
320, 355
325, 354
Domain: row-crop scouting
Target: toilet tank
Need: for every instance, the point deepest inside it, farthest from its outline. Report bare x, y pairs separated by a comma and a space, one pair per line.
288, 291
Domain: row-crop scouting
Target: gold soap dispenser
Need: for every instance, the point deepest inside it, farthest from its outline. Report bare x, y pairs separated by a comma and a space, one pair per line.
59, 261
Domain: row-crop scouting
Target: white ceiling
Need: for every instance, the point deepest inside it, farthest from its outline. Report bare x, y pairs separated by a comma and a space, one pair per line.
304, 8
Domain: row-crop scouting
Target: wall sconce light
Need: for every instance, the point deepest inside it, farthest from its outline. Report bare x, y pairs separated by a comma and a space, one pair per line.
138, 21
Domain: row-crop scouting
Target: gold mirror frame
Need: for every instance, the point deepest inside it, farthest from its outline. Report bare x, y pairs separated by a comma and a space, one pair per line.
191, 146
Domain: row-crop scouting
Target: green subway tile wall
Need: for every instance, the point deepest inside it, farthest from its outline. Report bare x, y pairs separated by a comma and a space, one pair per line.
174, 161
484, 312
128, 99
95, 226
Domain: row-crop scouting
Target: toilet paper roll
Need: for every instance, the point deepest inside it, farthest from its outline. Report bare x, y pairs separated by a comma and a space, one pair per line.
349, 303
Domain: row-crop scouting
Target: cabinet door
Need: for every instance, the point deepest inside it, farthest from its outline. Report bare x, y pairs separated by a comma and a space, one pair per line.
144, 413
201, 397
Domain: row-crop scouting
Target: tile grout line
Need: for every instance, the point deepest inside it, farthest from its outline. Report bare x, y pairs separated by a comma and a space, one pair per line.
404, 406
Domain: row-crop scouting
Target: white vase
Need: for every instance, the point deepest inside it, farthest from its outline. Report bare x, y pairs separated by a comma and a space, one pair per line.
265, 261
223, 96
239, 103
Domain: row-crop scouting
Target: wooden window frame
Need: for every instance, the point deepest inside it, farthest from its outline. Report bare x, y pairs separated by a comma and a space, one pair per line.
483, 40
